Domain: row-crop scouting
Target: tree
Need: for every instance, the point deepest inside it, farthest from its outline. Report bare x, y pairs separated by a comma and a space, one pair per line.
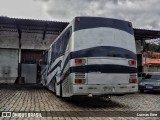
151, 47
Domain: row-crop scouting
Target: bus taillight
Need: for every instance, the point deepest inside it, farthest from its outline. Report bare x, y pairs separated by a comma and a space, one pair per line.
132, 62
79, 81
78, 19
80, 61
133, 81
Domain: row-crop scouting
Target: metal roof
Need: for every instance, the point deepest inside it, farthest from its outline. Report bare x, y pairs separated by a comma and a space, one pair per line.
143, 34
7, 23
50, 27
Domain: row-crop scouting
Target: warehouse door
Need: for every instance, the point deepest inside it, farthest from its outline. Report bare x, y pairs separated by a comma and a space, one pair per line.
30, 66
29, 72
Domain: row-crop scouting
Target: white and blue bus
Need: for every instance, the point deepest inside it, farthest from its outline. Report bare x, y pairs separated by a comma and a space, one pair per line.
93, 56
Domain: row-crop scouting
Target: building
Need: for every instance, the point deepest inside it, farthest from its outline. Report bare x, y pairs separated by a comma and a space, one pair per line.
22, 42
151, 61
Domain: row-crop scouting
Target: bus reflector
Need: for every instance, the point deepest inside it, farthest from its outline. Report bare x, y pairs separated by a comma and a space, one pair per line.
129, 24
132, 62
133, 81
79, 81
78, 19
80, 61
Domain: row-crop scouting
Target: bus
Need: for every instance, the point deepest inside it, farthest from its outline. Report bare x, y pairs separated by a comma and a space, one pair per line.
93, 56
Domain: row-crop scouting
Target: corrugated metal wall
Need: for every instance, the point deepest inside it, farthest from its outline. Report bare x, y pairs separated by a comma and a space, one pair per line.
8, 65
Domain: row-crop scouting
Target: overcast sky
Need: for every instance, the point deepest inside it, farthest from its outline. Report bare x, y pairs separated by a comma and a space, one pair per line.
142, 13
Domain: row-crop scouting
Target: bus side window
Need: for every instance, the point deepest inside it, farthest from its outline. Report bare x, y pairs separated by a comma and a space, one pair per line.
60, 46
57, 50
67, 37
53, 52
49, 55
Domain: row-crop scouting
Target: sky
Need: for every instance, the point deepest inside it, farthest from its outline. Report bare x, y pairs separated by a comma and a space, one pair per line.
142, 13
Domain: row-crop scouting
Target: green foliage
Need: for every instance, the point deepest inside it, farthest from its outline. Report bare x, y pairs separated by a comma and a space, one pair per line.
151, 47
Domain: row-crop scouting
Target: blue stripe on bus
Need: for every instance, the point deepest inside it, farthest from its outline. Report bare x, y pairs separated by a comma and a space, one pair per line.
102, 68
100, 51
95, 22
57, 65
53, 78
104, 51
105, 68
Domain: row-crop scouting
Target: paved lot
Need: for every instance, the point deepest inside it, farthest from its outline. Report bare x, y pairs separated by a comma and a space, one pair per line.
28, 98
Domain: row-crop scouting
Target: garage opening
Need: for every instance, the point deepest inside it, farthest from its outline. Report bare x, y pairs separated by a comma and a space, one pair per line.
30, 69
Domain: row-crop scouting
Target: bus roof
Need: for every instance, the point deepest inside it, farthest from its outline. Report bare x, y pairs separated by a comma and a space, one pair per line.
95, 22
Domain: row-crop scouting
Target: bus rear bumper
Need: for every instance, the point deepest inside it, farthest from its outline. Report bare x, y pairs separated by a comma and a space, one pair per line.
104, 89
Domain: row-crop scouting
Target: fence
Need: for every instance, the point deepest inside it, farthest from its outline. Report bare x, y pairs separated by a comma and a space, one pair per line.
151, 68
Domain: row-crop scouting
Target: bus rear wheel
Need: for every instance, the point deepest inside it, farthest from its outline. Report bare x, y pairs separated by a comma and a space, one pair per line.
55, 88
60, 90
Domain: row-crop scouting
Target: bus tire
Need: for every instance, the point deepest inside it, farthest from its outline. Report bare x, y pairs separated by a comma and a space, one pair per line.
60, 90
55, 88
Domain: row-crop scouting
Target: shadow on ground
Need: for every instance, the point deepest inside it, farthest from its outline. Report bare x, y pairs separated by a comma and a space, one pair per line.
21, 86
151, 92
96, 102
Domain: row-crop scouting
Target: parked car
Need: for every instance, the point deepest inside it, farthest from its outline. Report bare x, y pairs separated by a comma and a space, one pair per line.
141, 76
151, 82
